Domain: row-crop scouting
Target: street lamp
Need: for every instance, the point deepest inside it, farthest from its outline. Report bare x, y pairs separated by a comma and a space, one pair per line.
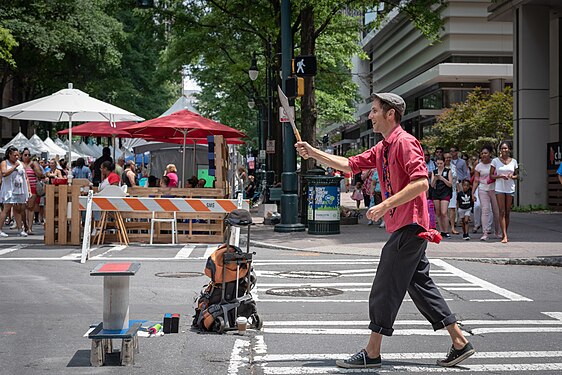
253, 71
265, 106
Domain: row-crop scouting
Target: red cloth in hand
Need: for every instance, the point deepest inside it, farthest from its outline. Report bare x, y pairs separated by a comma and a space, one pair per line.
431, 235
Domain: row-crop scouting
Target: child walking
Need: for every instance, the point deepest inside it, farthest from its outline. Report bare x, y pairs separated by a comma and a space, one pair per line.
465, 204
357, 194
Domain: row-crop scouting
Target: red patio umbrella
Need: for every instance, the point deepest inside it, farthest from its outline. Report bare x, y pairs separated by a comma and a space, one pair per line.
199, 141
181, 124
100, 129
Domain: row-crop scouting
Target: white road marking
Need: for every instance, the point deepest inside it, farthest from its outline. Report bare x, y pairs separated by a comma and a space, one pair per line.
236, 359
524, 322
419, 369
404, 356
554, 314
8, 250
348, 331
112, 248
260, 346
314, 299
480, 331
185, 252
71, 256
37, 258
210, 250
478, 281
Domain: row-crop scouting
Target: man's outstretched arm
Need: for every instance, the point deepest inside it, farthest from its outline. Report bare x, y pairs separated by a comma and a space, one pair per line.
307, 151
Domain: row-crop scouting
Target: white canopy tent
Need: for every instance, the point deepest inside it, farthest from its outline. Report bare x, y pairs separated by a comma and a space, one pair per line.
68, 105
57, 150
20, 141
38, 144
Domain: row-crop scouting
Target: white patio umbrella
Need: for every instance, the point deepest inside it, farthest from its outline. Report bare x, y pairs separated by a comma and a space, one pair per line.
68, 105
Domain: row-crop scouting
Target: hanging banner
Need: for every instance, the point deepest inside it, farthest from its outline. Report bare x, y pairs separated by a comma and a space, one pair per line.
324, 203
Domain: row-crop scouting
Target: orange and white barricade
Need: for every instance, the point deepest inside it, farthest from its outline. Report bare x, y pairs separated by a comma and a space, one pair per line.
132, 204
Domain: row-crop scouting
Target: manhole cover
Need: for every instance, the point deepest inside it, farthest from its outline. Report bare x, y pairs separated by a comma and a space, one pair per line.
304, 291
178, 275
309, 274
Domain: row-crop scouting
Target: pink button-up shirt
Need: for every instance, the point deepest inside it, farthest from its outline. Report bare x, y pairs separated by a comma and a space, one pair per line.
406, 164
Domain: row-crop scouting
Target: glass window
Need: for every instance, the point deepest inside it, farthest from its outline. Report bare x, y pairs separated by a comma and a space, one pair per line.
433, 100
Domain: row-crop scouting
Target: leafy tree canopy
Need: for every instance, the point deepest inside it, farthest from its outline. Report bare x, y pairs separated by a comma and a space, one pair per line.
218, 39
107, 48
7, 42
483, 119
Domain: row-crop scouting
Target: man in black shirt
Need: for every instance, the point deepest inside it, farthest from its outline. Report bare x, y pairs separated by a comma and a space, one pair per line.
96, 173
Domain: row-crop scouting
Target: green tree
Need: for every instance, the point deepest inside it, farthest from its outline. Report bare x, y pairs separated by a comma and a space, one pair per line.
7, 42
219, 38
107, 48
59, 42
483, 119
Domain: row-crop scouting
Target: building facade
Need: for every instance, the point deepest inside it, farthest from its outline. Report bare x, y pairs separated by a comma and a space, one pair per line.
487, 44
472, 52
537, 112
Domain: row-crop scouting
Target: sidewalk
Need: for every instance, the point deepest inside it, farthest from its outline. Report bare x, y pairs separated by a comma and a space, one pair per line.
535, 238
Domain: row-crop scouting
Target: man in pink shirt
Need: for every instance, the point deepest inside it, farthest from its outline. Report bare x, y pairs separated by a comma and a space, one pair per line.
403, 266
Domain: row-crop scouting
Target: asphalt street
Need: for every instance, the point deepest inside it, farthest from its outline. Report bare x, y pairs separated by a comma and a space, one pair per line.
314, 308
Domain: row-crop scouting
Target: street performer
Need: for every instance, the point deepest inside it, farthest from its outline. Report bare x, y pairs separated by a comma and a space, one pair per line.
403, 265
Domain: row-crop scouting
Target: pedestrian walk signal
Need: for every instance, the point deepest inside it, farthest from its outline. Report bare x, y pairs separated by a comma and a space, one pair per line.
304, 66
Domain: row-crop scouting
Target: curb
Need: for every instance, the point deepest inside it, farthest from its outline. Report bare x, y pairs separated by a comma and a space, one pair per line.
549, 262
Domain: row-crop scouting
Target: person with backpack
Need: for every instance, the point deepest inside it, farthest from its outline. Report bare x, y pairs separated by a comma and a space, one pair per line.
403, 265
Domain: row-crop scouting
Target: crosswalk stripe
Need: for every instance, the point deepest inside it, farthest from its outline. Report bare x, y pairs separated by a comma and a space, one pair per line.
8, 250
72, 256
209, 251
185, 251
524, 322
404, 356
479, 282
420, 369
315, 299
409, 332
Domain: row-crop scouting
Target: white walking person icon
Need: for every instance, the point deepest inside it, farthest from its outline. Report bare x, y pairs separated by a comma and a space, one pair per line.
300, 66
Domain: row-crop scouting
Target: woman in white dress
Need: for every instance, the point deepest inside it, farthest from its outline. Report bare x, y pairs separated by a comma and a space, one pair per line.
15, 190
505, 171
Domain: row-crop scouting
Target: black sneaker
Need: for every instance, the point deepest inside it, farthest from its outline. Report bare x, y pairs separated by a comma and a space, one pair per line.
456, 356
466, 237
359, 360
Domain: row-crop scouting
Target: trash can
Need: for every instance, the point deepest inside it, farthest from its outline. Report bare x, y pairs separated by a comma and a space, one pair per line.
323, 204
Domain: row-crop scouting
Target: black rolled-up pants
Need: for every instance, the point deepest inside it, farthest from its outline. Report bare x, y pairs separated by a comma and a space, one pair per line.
404, 267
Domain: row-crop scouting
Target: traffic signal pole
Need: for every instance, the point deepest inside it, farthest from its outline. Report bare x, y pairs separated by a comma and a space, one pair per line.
289, 198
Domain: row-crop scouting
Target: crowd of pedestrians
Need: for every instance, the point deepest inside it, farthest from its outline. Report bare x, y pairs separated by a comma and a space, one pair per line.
24, 176
464, 191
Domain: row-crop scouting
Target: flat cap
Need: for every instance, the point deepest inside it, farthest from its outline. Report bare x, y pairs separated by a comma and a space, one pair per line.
395, 101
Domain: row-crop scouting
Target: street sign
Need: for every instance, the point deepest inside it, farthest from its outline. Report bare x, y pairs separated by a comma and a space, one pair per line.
283, 115
262, 155
304, 65
270, 146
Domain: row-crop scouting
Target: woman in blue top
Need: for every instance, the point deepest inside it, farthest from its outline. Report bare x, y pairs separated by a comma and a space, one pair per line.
81, 171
